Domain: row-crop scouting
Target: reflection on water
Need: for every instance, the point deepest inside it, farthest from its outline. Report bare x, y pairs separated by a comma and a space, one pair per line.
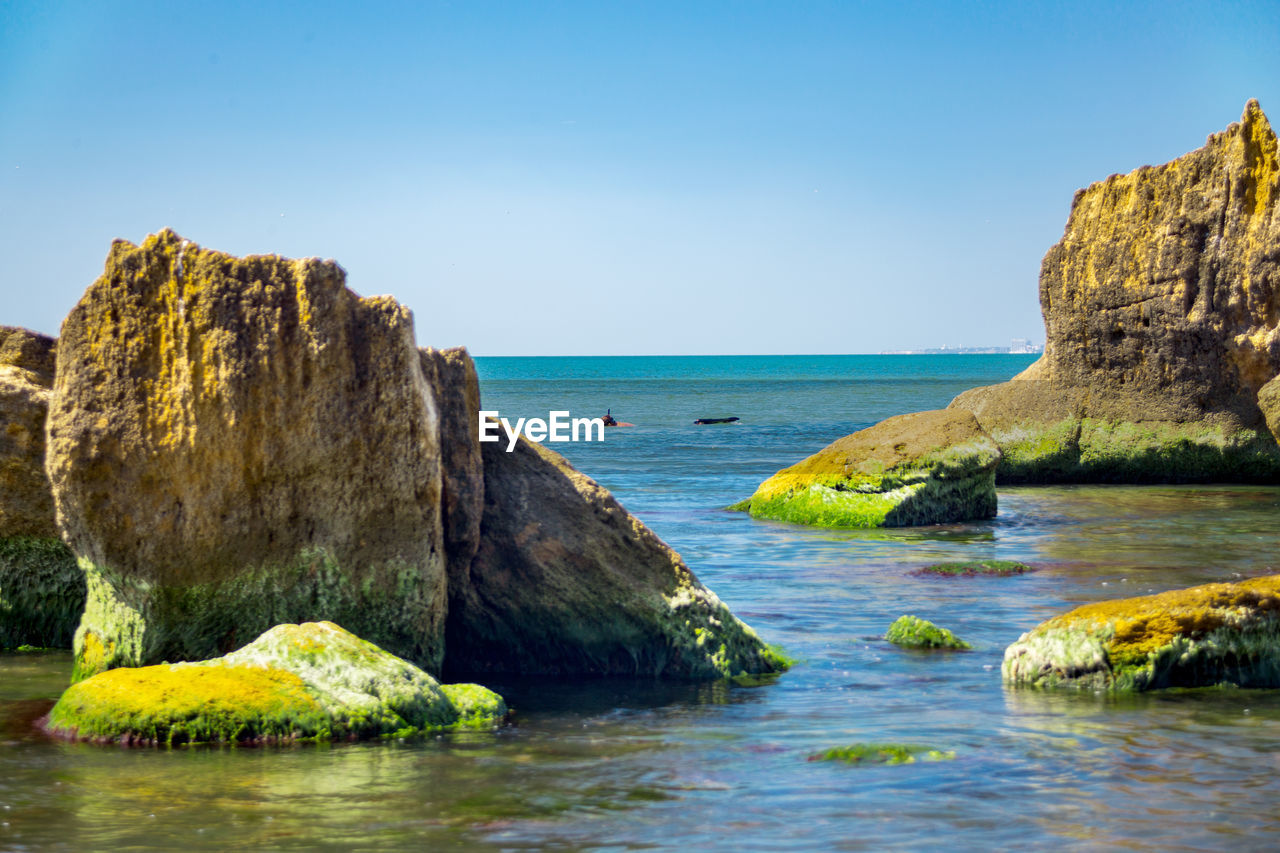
644, 764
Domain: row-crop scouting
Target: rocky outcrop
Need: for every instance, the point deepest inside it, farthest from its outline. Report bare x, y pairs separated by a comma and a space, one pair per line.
912, 632
568, 582
1161, 306
42, 591
236, 443
1206, 635
314, 681
922, 468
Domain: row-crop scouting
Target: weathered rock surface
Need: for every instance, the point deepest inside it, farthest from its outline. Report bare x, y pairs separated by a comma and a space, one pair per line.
314, 681
452, 375
42, 591
566, 581
1161, 306
923, 468
1205, 635
236, 443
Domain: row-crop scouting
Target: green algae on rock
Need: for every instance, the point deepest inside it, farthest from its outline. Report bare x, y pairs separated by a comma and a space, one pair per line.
973, 568
314, 681
240, 442
1218, 633
912, 632
883, 753
567, 582
42, 592
923, 468
1159, 305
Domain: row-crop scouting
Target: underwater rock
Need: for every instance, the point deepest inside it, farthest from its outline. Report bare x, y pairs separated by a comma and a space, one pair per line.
42, 591
912, 632
314, 681
1159, 304
973, 568
1219, 633
883, 753
923, 468
567, 582
240, 442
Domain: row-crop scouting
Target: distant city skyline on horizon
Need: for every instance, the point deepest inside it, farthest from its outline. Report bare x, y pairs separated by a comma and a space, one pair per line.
533, 179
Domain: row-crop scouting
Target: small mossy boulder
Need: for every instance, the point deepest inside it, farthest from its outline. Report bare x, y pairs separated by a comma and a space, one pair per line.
1218, 633
913, 632
923, 468
314, 681
883, 753
973, 568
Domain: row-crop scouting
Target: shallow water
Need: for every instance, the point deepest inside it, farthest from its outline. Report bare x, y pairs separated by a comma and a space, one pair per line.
641, 765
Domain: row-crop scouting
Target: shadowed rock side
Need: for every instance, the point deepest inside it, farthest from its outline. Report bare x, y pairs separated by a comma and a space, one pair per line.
42, 591
1161, 313
1205, 635
923, 468
452, 376
313, 681
240, 442
568, 582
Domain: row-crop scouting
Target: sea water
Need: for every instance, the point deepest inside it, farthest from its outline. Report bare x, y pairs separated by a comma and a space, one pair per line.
623, 764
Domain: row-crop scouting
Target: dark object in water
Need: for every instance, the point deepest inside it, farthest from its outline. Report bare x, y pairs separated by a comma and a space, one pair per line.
716, 420
609, 420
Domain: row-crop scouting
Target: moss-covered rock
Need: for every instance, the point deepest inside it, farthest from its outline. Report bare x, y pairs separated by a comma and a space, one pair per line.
42, 593
923, 468
1205, 635
912, 632
1159, 304
567, 582
240, 442
313, 681
973, 568
883, 753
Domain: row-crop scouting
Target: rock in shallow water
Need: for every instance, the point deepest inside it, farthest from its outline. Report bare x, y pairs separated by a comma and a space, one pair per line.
1202, 636
313, 681
912, 632
923, 468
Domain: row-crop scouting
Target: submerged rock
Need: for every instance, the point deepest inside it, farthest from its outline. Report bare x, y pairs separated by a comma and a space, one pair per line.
240, 442
568, 582
923, 468
973, 568
314, 681
883, 753
1205, 635
42, 591
1159, 304
912, 632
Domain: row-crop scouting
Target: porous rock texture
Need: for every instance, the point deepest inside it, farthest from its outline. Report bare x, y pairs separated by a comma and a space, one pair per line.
314, 681
42, 591
1161, 306
922, 468
1202, 636
566, 581
237, 443
240, 442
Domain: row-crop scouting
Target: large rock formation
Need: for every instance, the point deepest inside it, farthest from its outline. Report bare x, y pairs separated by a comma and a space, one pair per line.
41, 590
1161, 306
237, 443
566, 581
313, 681
1202, 636
922, 468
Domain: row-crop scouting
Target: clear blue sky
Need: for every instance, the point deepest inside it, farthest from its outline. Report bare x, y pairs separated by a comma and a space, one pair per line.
596, 178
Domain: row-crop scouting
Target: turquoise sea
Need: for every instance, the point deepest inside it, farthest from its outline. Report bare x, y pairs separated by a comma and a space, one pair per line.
628, 765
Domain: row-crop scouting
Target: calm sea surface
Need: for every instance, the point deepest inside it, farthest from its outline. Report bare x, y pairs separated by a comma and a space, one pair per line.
622, 765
